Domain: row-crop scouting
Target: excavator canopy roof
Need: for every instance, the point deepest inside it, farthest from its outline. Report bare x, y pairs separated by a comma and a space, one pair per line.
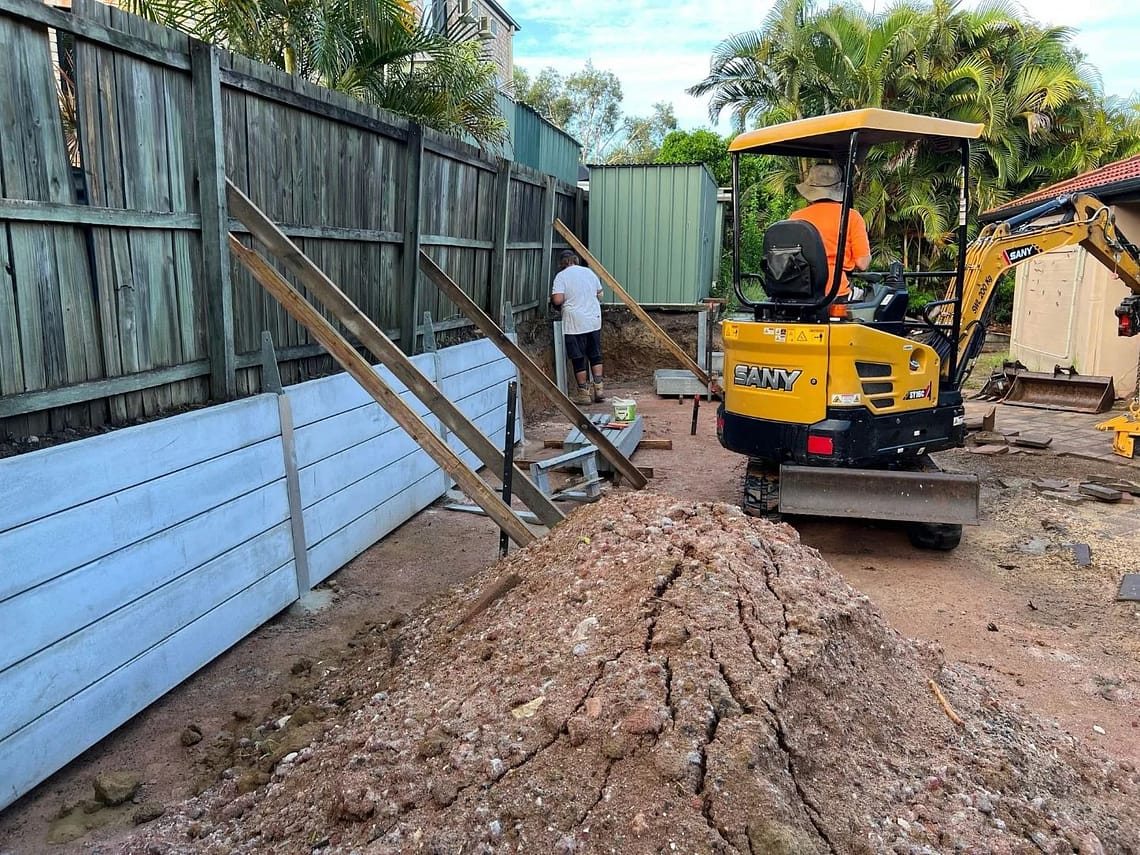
826, 136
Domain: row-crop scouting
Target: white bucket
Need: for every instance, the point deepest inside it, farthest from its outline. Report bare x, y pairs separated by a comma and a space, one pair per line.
625, 409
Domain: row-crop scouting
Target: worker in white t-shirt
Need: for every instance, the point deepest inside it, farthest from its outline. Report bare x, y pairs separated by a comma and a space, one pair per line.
578, 291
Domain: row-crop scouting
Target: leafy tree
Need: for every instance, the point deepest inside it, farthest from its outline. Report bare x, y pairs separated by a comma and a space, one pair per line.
644, 135
585, 104
596, 98
711, 149
700, 146
375, 50
546, 94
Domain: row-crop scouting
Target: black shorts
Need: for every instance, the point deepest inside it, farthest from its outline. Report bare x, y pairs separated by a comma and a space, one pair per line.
588, 345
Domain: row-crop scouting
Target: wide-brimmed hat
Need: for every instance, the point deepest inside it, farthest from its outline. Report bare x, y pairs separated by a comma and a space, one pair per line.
824, 181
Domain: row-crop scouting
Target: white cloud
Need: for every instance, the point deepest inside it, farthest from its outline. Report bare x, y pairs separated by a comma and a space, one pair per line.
658, 49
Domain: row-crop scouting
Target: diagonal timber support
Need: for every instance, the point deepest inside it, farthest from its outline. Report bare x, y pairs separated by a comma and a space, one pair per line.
372, 337
356, 365
531, 372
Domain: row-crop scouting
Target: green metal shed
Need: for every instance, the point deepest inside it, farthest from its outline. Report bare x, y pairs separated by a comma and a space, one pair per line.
654, 227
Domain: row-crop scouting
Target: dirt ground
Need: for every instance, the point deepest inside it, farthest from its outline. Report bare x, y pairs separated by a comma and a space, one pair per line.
1009, 606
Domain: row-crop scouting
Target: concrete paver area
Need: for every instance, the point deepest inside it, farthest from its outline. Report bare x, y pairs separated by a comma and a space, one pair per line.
1074, 434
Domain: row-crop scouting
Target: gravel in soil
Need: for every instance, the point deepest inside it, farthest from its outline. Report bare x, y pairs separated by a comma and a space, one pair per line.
663, 676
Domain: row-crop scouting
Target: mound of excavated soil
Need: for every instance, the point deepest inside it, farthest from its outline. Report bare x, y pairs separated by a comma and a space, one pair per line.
663, 677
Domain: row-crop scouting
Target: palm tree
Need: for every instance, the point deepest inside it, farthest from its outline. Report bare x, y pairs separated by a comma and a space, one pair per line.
375, 50
1042, 108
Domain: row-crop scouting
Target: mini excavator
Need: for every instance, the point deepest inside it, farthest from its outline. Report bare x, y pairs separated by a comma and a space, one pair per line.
838, 406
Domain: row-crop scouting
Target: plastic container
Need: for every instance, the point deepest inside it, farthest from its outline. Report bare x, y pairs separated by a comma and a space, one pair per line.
625, 409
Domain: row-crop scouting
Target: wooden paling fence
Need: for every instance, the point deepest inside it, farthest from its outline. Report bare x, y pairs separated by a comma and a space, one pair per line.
118, 298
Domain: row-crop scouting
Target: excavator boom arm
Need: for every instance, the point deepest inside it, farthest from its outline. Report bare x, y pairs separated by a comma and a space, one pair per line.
1084, 221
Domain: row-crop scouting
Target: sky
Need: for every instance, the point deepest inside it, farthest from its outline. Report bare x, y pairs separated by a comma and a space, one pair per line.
659, 48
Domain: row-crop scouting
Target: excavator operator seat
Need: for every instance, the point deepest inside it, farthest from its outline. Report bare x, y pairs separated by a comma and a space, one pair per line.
795, 262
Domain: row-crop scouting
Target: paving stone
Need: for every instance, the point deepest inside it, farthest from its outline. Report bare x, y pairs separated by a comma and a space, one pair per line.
1070, 498
1103, 494
1082, 554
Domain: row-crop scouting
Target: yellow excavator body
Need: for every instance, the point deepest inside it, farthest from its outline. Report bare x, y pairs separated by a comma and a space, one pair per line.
839, 411
794, 372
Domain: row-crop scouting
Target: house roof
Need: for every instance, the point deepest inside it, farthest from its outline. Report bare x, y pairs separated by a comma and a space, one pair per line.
502, 13
1111, 181
824, 135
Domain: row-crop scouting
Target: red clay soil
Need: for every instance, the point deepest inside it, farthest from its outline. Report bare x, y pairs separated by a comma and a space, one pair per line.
659, 677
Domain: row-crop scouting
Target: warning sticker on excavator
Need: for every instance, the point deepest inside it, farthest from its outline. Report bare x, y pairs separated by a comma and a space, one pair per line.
846, 400
802, 336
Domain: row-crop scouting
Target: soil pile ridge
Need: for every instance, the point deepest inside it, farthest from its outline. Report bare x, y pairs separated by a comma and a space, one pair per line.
657, 677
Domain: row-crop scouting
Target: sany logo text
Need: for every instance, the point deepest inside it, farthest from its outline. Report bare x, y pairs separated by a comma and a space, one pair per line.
762, 377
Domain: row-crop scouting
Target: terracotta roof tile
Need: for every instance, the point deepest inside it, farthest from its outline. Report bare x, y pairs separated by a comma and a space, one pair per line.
1104, 176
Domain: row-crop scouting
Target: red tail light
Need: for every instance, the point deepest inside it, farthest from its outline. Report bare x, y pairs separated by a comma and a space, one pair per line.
823, 445
720, 424
1128, 316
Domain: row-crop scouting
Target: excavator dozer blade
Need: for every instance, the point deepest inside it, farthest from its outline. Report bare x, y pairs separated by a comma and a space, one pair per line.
876, 494
1077, 393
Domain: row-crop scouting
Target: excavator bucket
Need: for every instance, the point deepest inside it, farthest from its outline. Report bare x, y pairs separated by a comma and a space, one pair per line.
1064, 389
877, 494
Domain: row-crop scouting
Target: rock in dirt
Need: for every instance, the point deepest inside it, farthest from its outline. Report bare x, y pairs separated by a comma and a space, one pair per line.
147, 812
114, 788
734, 696
191, 735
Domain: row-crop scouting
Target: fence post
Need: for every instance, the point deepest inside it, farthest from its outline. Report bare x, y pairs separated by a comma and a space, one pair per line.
499, 250
271, 382
549, 194
437, 365
580, 213
410, 269
207, 104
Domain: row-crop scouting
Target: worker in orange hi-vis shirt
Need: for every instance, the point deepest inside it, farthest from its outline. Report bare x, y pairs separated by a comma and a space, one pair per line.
823, 188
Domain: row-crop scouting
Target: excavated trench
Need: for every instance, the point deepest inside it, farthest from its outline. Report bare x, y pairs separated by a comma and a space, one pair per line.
664, 677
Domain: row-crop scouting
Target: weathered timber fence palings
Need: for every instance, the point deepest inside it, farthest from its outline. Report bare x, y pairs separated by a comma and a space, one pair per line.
118, 298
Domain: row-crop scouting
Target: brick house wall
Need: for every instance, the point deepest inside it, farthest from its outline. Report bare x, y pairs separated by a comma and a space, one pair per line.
499, 48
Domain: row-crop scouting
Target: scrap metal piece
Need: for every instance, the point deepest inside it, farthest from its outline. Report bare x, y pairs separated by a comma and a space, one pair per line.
929, 497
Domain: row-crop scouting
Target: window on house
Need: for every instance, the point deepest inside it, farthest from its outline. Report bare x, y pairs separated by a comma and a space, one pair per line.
435, 13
